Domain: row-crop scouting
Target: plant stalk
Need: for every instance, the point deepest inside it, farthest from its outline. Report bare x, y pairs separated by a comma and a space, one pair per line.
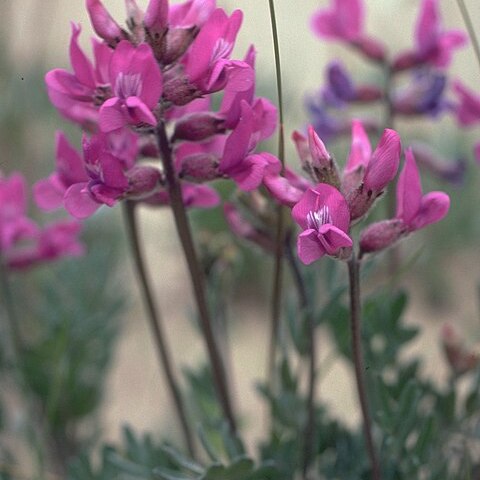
305, 309
355, 317
276, 299
196, 276
471, 29
155, 322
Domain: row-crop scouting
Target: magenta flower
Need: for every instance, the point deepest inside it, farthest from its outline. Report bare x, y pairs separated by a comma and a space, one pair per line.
191, 13
109, 180
239, 162
103, 23
413, 208
57, 240
323, 214
344, 21
434, 46
77, 95
50, 191
468, 110
414, 211
15, 226
367, 174
208, 56
137, 86
237, 90
287, 189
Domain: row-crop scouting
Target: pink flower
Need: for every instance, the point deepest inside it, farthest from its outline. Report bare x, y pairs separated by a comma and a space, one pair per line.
55, 241
413, 208
323, 215
434, 46
103, 24
110, 179
240, 87
468, 110
50, 191
191, 13
137, 86
239, 162
367, 174
77, 95
414, 211
15, 226
287, 189
344, 21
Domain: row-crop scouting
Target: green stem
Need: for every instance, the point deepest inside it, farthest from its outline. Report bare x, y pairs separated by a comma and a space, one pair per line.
355, 323
276, 299
196, 276
155, 322
471, 30
305, 309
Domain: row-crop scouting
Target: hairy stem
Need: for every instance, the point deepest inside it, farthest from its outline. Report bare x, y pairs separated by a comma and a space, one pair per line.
155, 321
306, 309
355, 323
276, 298
471, 29
196, 276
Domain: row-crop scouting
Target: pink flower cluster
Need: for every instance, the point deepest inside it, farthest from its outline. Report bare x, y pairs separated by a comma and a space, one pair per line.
23, 243
327, 206
159, 72
415, 81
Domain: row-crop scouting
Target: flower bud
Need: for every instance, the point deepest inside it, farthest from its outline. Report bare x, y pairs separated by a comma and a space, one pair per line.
381, 235
134, 20
177, 42
368, 93
156, 17
103, 23
143, 181
198, 126
199, 167
180, 91
322, 167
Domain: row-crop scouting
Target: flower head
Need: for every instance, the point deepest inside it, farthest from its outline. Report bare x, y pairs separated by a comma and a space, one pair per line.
323, 215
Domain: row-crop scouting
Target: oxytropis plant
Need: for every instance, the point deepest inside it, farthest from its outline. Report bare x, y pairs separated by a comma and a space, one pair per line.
165, 111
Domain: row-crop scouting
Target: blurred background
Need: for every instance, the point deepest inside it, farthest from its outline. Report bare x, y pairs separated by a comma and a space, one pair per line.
443, 279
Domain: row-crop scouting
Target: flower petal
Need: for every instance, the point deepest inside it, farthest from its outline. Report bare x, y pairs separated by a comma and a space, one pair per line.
309, 248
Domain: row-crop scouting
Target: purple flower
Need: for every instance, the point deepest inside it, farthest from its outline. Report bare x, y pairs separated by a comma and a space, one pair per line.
414, 211
413, 208
239, 162
22, 242
208, 56
323, 215
77, 95
137, 86
367, 174
103, 24
50, 191
434, 46
15, 226
424, 95
235, 94
468, 110
110, 179
344, 21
